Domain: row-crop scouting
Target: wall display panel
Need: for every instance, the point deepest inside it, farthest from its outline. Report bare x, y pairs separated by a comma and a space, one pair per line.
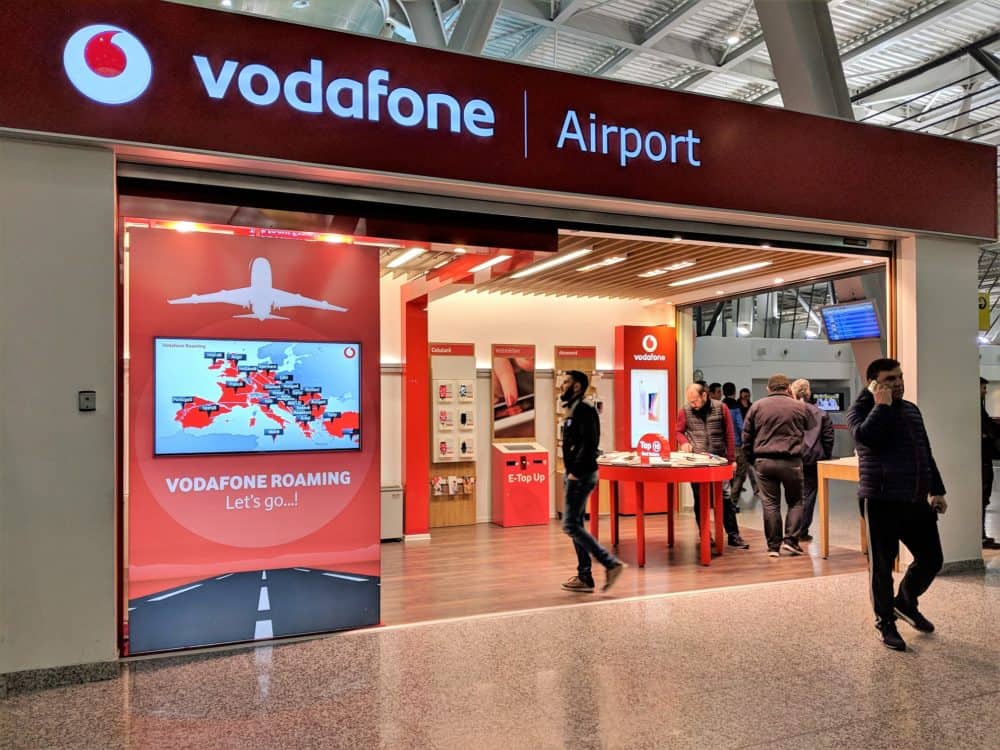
453, 444
583, 359
272, 489
513, 391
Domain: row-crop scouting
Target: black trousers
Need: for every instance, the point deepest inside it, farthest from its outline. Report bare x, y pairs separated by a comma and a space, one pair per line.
913, 524
772, 475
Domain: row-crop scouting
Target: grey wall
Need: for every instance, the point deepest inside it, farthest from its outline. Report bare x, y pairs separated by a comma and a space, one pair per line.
57, 465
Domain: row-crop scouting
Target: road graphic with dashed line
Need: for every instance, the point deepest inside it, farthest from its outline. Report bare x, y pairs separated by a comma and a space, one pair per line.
252, 605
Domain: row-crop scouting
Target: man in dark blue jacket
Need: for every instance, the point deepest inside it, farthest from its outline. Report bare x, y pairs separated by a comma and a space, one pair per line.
580, 438
900, 493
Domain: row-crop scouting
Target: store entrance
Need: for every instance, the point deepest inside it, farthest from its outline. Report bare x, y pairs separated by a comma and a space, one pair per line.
496, 325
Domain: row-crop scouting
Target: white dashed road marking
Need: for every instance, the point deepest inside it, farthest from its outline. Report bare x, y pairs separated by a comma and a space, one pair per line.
173, 593
303, 570
346, 578
225, 576
263, 602
263, 629
263, 575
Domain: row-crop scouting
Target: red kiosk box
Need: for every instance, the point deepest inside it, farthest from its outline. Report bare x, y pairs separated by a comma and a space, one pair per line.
645, 401
520, 484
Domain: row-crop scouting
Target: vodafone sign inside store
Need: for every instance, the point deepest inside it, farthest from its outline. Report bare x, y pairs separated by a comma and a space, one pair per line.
175, 76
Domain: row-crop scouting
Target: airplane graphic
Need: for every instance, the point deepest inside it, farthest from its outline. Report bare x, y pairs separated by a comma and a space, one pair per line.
260, 297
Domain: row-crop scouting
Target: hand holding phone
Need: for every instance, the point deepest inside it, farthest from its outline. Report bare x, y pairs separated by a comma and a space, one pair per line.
881, 392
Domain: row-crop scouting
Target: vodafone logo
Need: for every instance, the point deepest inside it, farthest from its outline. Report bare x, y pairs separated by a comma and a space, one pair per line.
107, 64
350, 352
649, 343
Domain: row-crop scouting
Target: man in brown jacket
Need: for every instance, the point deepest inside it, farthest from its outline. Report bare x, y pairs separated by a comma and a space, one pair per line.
773, 440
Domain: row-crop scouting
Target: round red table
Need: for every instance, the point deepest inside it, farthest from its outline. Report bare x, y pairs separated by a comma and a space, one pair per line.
709, 477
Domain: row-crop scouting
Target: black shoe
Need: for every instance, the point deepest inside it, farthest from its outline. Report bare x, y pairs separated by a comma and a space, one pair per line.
989, 543
805, 537
911, 616
579, 585
737, 509
792, 547
735, 540
889, 636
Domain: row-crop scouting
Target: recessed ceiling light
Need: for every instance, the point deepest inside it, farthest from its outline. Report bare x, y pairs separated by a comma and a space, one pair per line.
867, 262
733, 39
459, 250
489, 263
983, 340
667, 269
779, 280
300, 4
720, 291
765, 244
185, 226
406, 257
613, 260
719, 274
651, 274
546, 265
677, 238
226, 3
742, 331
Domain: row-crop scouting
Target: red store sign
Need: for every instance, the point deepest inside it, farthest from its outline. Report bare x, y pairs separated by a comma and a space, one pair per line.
164, 74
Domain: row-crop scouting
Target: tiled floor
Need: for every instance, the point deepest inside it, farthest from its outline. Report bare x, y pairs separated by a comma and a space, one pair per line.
783, 665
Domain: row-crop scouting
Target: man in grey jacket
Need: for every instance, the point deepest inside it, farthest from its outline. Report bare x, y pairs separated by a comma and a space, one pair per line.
773, 438
818, 447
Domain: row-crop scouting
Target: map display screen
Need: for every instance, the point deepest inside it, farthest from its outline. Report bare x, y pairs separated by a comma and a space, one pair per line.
231, 396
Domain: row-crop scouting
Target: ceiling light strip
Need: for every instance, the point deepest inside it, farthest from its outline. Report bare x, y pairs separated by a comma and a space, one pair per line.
406, 257
489, 263
720, 274
546, 265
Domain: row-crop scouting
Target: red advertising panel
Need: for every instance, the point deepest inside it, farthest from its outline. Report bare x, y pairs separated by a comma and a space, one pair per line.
251, 438
513, 391
645, 384
238, 84
452, 350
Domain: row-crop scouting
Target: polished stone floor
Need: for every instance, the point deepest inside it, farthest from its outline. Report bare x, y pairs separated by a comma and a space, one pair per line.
781, 665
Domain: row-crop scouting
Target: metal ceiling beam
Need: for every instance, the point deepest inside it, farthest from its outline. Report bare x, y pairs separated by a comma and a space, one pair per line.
987, 60
618, 33
425, 22
472, 28
805, 57
654, 34
542, 33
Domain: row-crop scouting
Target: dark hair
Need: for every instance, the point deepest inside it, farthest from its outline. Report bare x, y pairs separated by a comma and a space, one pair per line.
715, 386
579, 377
983, 381
744, 390
880, 365
702, 383
729, 389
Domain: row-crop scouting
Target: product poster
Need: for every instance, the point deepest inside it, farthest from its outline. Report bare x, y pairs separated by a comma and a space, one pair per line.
252, 416
649, 403
513, 391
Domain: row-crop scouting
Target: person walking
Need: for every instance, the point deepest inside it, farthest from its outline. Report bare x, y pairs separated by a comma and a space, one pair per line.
900, 494
705, 426
773, 438
818, 447
990, 435
744, 470
729, 399
581, 436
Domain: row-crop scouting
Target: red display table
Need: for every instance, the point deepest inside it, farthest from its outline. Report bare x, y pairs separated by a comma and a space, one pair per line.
709, 477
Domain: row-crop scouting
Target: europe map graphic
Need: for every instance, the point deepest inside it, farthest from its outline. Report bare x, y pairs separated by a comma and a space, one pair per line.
217, 396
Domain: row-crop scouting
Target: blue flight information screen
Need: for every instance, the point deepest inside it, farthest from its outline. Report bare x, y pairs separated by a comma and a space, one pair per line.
851, 321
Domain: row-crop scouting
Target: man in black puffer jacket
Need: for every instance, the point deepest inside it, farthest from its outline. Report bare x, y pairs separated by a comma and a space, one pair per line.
900, 493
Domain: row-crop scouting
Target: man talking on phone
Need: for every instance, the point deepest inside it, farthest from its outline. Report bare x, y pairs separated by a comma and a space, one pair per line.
580, 439
901, 494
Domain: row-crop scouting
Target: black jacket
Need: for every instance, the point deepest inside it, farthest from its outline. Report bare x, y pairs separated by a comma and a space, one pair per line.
581, 436
894, 454
775, 427
819, 438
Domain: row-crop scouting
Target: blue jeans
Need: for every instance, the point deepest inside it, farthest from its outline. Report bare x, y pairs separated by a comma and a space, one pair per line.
577, 492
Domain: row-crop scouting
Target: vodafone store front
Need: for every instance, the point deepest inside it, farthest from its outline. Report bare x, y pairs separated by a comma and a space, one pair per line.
250, 290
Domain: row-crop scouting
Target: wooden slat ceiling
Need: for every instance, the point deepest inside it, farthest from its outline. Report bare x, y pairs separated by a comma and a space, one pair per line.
623, 281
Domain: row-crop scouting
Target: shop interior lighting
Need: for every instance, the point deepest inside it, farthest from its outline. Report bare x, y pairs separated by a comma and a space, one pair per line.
811, 334
459, 250
667, 269
778, 280
613, 260
406, 257
733, 39
336, 239
720, 274
983, 340
546, 265
489, 263
300, 4
867, 262
742, 331
226, 3
677, 238
376, 243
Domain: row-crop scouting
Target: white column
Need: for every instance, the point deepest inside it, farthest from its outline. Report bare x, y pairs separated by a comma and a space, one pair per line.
57, 464
937, 281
